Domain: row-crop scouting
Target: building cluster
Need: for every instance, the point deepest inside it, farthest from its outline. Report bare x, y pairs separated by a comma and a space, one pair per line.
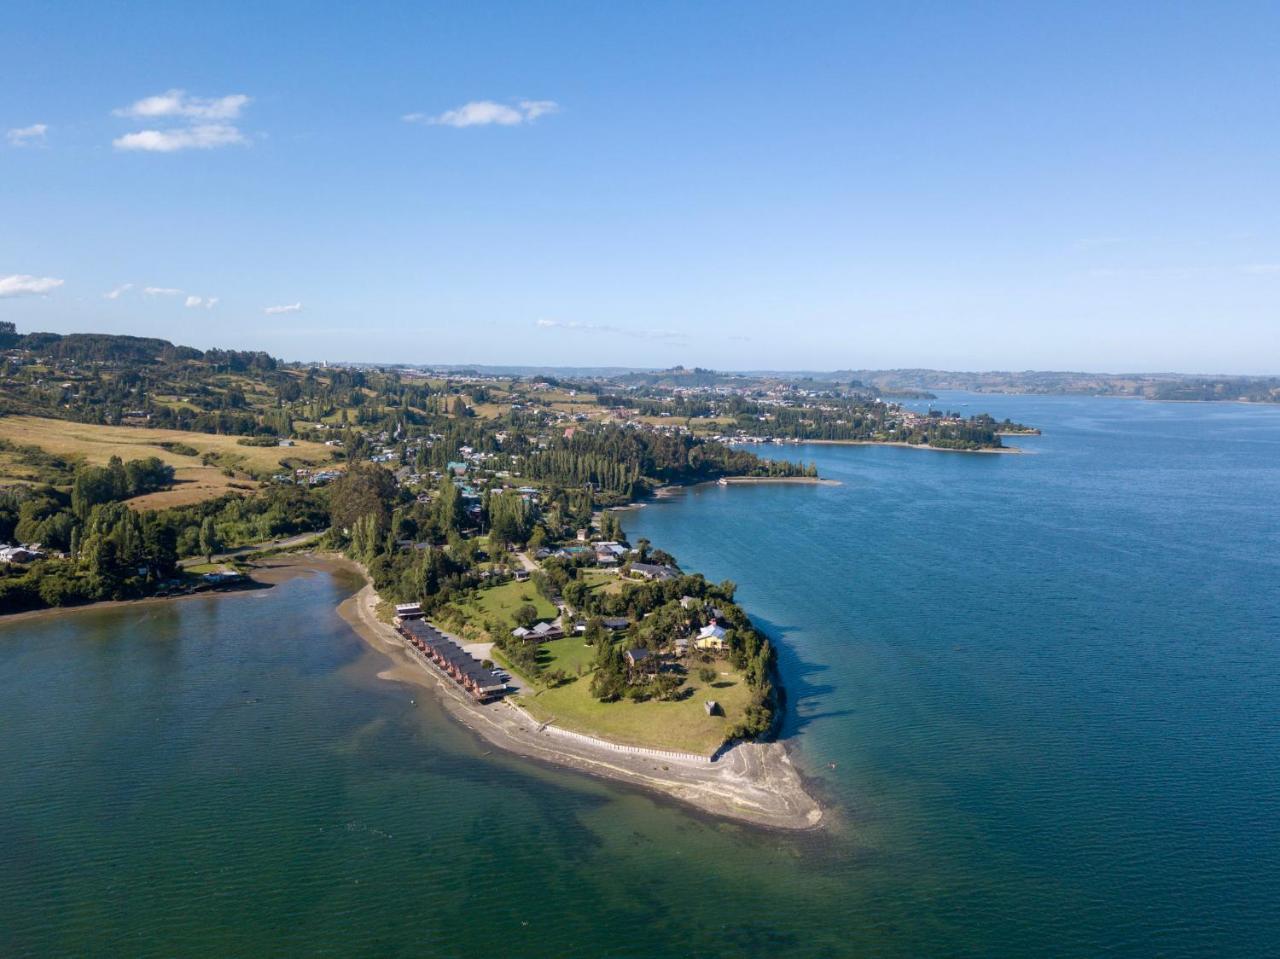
431, 645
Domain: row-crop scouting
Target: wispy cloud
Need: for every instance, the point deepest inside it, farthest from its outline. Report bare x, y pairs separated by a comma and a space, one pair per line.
480, 113
287, 308
176, 103
640, 334
118, 292
32, 136
208, 302
23, 284
1261, 269
205, 136
208, 122
161, 291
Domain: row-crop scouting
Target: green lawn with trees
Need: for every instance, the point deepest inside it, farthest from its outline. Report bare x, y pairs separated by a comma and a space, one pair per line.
682, 725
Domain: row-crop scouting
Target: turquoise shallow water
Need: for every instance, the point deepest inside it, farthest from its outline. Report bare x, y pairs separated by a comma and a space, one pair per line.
1049, 686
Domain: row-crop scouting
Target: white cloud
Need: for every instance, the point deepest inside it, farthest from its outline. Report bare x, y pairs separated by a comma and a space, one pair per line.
479, 113
194, 301
176, 103
1261, 269
201, 123
205, 136
277, 310
32, 136
537, 108
208, 302
118, 291
211, 302
161, 291
642, 334
23, 284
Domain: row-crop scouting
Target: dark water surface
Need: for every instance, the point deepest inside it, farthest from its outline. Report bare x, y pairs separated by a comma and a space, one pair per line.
1049, 686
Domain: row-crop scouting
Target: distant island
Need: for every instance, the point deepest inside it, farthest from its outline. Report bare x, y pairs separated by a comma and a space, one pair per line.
1153, 386
920, 383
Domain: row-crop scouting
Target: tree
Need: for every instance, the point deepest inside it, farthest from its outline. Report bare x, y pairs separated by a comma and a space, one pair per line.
210, 541
448, 507
365, 488
525, 615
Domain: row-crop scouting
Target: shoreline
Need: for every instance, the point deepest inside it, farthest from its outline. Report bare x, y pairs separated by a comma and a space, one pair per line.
787, 480
753, 783
912, 446
53, 612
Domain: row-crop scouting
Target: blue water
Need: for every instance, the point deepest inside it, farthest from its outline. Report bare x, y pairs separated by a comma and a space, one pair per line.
1038, 694
1049, 683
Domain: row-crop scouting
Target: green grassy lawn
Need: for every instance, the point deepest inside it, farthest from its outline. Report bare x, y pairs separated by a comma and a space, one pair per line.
567, 654
501, 602
683, 726
601, 581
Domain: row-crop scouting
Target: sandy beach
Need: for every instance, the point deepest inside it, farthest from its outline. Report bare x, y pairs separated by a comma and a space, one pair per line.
752, 782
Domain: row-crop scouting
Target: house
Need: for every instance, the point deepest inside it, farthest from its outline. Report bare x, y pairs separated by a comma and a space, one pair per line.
615, 623
408, 611
20, 554
639, 660
711, 637
540, 633
653, 572
521, 575
545, 631
609, 554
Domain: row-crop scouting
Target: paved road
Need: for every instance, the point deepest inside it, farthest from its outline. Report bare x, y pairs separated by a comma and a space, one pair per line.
300, 540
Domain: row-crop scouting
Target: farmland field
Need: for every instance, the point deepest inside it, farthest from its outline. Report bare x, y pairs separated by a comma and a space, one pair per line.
195, 481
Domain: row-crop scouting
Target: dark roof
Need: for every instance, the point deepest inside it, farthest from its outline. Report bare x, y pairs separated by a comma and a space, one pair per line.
452, 653
616, 622
639, 654
650, 569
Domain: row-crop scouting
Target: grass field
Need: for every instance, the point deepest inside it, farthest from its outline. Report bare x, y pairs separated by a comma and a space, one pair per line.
194, 481
501, 602
569, 654
603, 581
683, 726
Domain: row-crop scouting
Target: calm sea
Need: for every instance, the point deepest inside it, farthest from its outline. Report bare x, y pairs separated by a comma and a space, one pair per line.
1040, 693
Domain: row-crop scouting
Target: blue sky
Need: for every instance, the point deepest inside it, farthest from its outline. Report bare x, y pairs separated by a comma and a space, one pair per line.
737, 185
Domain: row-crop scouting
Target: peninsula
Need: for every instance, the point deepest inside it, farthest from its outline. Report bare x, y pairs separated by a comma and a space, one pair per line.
481, 510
